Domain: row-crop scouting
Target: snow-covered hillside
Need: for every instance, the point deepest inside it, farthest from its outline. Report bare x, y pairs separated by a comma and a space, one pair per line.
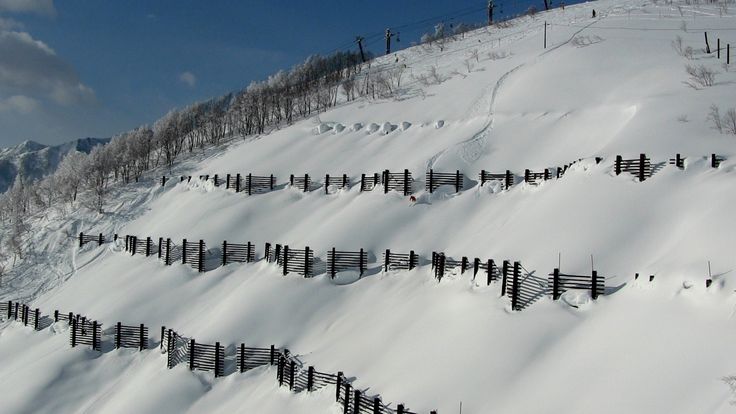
605, 86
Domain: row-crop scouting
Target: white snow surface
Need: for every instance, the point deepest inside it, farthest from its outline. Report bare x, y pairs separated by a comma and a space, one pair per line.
645, 347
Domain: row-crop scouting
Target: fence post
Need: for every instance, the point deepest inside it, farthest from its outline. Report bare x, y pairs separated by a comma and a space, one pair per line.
441, 267
117, 335
163, 333
73, 323
56, 313
476, 266
160, 246
362, 182
81, 239
142, 337
713, 161
356, 402
135, 245
224, 253
273, 353
344, 180
272, 182
384, 180
148, 246
431, 181
400, 409
280, 370
556, 284
482, 177
306, 183
346, 402
728, 53
167, 259
504, 271
217, 181
292, 370
594, 287
642, 162
184, 251
237, 182
463, 264
509, 179
191, 354
407, 182
515, 293
36, 315
332, 264
387, 260
227, 182
267, 251
306, 261
285, 259
526, 175
362, 262
327, 183
251, 256
412, 259
559, 172
200, 266
489, 271
457, 181
218, 356
310, 378
546, 174
95, 337
678, 161
617, 167
249, 183
291, 180
376, 405
338, 386
100, 240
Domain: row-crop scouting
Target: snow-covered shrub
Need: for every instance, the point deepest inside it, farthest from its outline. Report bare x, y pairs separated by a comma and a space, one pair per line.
700, 75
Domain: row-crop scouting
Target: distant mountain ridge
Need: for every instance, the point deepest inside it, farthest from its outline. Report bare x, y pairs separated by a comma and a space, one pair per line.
35, 161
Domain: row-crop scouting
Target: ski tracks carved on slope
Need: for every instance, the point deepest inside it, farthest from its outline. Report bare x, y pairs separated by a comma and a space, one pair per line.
472, 148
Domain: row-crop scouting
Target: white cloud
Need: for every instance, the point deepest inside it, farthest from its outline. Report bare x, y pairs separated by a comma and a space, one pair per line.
18, 103
30, 67
188, 79
45, 7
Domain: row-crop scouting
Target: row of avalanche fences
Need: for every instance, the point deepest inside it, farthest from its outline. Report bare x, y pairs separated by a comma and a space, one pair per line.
291, 371
641, 167
520, 286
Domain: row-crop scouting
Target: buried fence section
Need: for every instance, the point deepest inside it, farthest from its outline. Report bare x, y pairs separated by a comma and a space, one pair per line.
716, 160
256, 184
300, 182
438, 179
368, 182
295, 260
85, 332
399, 261
249, 357
489, 267
91, 238
233, 182
238, 253
640, 167
175, 346
338, 261
506, 179
534, 178
678, 161
170, 252
337, 181
193, 254
207, 357
400, 182
443, 265
131, 336
559, 283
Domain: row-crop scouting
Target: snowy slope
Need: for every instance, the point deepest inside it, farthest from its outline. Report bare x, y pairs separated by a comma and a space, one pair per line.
603, 87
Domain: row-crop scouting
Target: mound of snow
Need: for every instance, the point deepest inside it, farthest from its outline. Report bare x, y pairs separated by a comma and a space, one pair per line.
372, 127
322, 128
439, 124
356, 127
387, 128
339, 127
405, 125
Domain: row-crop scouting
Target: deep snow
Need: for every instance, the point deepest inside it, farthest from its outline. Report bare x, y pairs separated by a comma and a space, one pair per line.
603, 87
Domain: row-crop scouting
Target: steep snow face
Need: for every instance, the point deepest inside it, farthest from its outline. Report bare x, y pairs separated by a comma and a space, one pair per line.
605, 86
35, 161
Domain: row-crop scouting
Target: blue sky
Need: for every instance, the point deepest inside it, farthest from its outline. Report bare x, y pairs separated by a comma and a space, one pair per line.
78, 68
